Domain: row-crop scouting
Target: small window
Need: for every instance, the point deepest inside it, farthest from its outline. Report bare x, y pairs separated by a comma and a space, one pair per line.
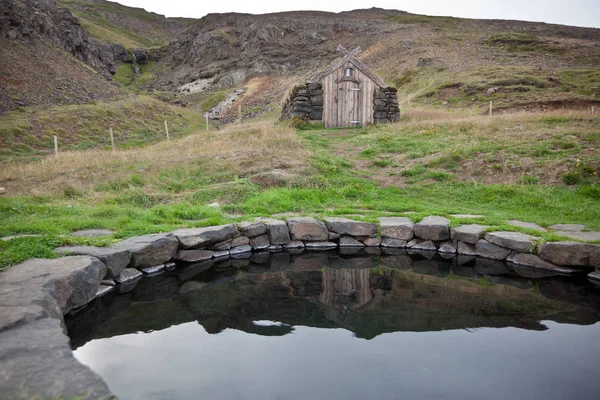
348, 73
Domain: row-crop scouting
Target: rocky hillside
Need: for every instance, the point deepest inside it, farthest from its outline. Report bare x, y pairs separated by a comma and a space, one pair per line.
435, 60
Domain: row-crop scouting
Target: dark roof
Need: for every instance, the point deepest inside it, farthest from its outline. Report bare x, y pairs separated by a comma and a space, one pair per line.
351, 58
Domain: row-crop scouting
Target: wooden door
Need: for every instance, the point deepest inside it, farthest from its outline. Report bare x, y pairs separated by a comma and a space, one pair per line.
347, 104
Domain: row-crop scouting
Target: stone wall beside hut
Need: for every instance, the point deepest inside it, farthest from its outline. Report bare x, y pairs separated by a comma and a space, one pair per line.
304, 102
386, 105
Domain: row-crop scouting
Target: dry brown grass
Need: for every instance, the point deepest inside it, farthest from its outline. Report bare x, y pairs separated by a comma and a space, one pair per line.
244, 150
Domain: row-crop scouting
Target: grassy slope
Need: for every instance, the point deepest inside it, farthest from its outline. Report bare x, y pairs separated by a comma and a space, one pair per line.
132, 27
264, 169
27, 133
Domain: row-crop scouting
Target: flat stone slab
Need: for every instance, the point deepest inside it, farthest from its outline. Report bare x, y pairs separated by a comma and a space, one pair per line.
128, 275
7, 238
533, 261
393, 243
155, 270
426, 245
92, 233
468, 233
193, 256
68, 282
467, 216
277, 231
320, 245
489, 250
594, 278
584, 236
116, 260
240, 250
401, 228
530, 225
294, 244
199, 237
349, 241
38, 363
433, 228
567, 227
567, 253
350, 227
149, 250
511, 240
104, 290
252, 229
307, 229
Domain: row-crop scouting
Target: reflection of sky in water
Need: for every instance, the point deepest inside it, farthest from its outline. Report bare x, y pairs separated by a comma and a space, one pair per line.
185, 362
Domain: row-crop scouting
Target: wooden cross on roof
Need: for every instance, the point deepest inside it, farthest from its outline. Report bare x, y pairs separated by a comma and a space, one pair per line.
345, 52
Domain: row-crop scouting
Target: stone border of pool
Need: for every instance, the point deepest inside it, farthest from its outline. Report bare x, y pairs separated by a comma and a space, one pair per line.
35, 356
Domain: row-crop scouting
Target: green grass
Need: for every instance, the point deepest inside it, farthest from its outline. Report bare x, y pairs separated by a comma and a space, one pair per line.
136, 121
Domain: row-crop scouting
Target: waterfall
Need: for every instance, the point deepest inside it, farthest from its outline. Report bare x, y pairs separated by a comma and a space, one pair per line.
134, 65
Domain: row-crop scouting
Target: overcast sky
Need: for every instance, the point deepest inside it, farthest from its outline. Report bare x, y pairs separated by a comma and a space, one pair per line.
567, 12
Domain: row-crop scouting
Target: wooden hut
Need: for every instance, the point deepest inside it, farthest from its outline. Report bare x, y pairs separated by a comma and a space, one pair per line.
346, 94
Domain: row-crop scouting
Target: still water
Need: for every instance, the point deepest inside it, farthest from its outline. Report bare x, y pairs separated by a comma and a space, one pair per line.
322, 326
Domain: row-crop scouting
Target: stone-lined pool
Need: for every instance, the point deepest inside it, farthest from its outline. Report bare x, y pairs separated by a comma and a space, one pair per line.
323, 326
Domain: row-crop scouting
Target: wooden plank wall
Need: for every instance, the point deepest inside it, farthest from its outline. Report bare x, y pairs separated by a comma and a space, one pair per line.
330, 90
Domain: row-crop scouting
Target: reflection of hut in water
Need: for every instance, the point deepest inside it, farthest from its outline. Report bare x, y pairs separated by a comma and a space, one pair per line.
344, 291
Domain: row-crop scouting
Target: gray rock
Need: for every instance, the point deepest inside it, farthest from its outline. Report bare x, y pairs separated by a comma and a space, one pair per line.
69, 282
333, 236
149, 250
92, 233
427, 245
294, 244
38, 363
595, 258
401, 228
221, 246
528, 225
307, 229
128, 275
194, 256
372, 242
466, 249
447, 247
531, 260
468, 233
413, 242
567, 253
220, 254
320, 245
511, 240
7, 238
170, 266
393, 243
433, 228
260, 242
240, 250
252, 229
567, 227
108, 282
155, 270
349, 241
115, 259
488, 250
594, 278
104, 290
275, 247
345, 226
198, 237
584, 236
240, 241
277, 231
